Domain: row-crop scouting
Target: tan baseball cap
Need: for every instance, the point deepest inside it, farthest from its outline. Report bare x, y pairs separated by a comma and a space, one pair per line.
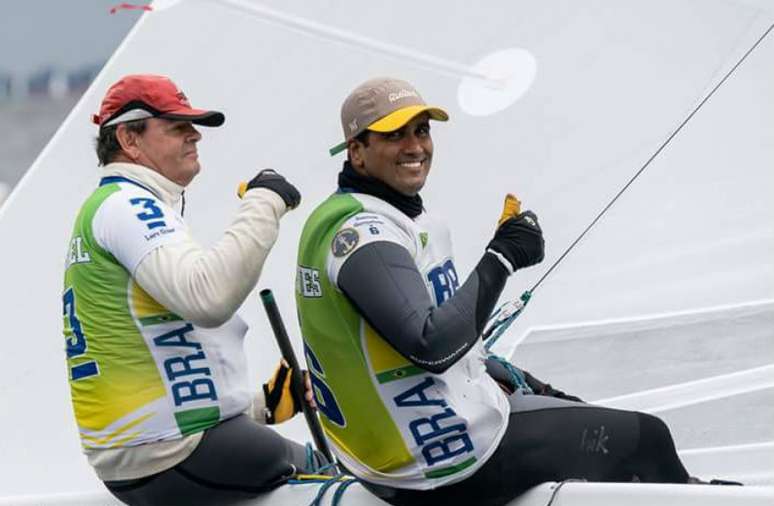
382, 104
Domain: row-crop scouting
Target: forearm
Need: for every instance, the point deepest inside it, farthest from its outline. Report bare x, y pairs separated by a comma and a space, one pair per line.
396, 303
206, 286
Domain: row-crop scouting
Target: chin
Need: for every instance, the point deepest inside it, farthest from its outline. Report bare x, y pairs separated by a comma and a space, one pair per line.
410, 192
416, 188
190, 176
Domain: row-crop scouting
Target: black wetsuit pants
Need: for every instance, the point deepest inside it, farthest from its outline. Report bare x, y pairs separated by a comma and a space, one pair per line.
550, 439
235, 460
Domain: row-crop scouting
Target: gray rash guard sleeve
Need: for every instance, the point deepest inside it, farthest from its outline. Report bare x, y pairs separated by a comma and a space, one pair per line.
396, 303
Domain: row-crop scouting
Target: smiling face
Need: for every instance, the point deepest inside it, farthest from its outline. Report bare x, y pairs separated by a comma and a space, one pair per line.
168, 147
400, 158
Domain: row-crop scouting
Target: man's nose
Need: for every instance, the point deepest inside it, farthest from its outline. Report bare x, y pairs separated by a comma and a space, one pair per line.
194, 135
412, 144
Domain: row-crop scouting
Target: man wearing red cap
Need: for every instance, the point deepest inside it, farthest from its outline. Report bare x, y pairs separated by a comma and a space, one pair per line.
154, 347
410, 400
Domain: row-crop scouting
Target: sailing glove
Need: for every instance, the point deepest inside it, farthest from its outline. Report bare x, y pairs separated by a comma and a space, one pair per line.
270, 179
519, 240
281, 403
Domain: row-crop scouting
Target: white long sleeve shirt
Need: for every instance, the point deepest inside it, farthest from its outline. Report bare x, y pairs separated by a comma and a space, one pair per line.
202, 285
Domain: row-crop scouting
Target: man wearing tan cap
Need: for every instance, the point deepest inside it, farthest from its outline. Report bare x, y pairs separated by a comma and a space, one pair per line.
410, 401
154, 347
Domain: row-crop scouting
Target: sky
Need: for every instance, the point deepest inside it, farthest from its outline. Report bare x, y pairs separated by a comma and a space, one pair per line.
35, 34
41, 34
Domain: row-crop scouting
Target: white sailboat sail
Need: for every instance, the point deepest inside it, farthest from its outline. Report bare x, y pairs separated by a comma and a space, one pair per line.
666, 305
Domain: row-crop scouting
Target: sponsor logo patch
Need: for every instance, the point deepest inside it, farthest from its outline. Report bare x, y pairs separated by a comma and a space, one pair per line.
344, 241
309, 282
404, 93
367, 219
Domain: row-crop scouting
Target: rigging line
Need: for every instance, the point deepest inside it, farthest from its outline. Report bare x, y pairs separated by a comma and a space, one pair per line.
328, 32
647, 163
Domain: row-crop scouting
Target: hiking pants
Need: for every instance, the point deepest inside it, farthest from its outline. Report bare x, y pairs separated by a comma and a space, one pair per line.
235, 460
551, 439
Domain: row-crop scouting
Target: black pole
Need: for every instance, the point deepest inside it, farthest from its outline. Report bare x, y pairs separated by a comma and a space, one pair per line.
297, 380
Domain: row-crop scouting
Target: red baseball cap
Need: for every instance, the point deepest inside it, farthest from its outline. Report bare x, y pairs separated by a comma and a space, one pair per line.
141, 96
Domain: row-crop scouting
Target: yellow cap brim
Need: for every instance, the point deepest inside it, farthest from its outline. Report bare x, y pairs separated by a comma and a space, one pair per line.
397, 119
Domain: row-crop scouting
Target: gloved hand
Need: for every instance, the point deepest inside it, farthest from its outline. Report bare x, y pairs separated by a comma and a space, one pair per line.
540, 388
519, 240
270, 179
281, 403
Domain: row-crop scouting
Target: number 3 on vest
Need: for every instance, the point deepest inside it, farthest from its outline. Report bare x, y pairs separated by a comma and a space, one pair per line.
76, 341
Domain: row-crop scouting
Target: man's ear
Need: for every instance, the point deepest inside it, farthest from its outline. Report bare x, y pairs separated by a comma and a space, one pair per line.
355, 150
128, 141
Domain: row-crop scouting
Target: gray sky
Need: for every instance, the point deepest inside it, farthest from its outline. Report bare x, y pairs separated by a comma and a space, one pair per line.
64, 33
37, 34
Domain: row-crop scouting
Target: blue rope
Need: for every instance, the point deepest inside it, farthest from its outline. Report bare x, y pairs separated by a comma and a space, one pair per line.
339, 494
502, 318
311, 462
320, 493
517, 376
305, 481
340, 482
311, 465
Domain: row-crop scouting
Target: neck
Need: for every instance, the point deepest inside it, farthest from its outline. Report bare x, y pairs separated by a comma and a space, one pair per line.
168, 191
351, 181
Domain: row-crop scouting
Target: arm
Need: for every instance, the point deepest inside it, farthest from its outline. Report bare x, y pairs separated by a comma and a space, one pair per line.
396, 303
206, 286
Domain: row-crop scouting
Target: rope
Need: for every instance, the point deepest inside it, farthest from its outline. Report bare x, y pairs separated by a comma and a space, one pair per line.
321, 493
517, 376
558, 487
312, 462
337, 496
658, 151
503, 317
501, 323
339, 481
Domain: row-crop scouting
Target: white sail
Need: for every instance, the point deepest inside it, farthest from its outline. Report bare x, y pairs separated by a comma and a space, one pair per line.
3, 191
673, 288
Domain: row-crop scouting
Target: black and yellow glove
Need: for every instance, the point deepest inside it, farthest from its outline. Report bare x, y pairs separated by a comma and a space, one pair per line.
281, 402
511, 209
271, 180
518, 239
